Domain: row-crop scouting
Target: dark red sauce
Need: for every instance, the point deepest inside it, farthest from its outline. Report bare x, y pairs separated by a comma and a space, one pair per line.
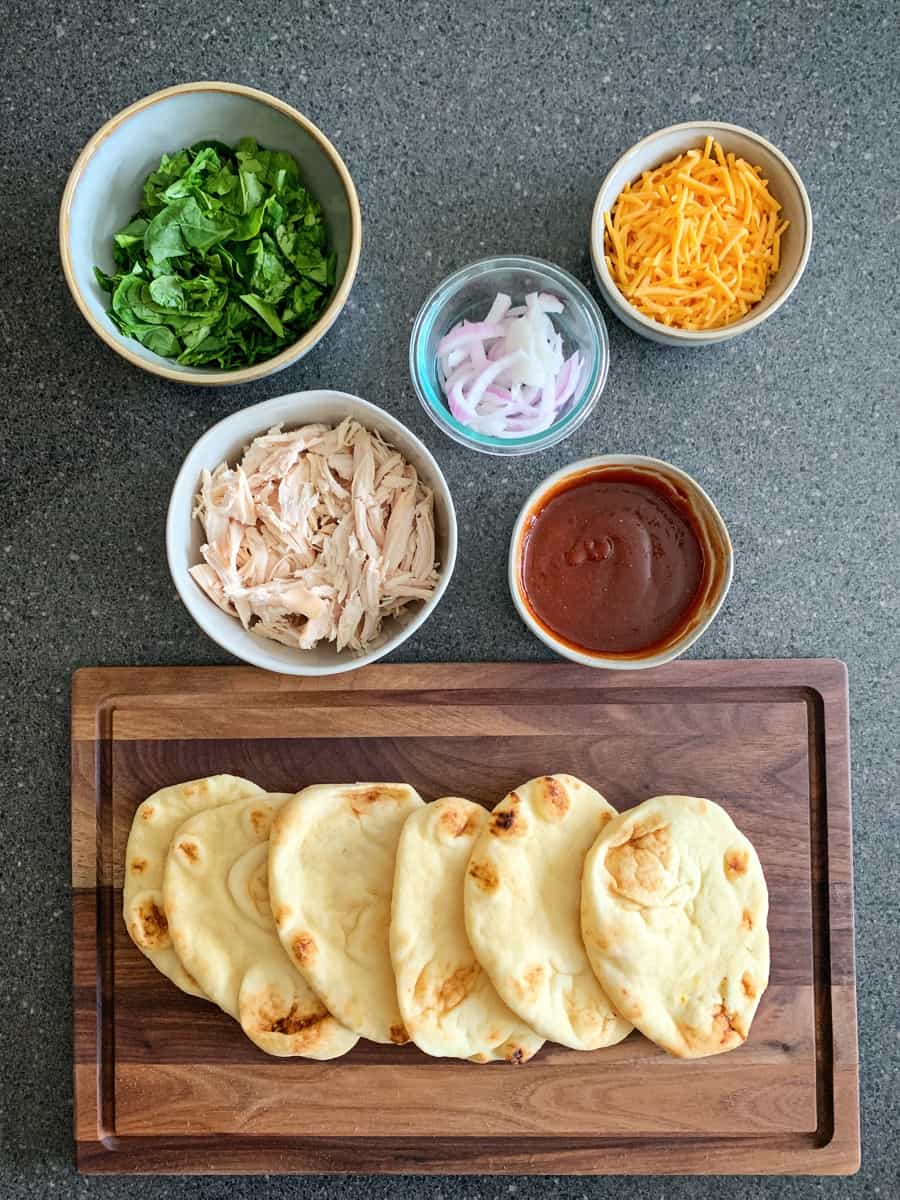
612, 562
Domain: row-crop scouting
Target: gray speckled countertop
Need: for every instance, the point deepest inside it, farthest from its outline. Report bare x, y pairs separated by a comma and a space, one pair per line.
469, 129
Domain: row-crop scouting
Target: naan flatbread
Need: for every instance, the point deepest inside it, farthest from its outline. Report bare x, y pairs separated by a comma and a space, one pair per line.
522, 904
674, 911
145, 858
448, 1004
331, 875
217, 899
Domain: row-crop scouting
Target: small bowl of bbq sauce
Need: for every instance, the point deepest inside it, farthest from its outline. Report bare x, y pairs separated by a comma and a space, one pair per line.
619, 561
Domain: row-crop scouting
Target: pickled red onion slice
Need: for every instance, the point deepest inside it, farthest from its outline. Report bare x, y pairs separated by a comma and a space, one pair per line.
506, 376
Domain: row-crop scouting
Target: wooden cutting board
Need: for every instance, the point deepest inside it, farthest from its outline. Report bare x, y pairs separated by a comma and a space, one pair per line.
167, 1083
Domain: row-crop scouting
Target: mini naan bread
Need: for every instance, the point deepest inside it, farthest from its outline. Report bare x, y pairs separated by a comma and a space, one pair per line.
522, 905
145, 858
674, 910
217, 899
331, 874
449, 1006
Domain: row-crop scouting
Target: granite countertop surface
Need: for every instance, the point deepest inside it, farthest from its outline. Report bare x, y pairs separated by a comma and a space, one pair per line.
470, 129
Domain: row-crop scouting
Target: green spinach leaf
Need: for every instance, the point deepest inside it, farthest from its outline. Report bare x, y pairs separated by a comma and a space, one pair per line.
266, 311
226, 262
166, 291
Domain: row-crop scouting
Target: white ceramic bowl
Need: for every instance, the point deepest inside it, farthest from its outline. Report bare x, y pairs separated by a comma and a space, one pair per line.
226, 442
785, 184
714, 539
104, 188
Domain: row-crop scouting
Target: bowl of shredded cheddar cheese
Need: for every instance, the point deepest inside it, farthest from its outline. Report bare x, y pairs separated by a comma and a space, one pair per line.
700, 232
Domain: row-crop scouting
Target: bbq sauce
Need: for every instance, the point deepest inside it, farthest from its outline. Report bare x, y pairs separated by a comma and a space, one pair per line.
612, 562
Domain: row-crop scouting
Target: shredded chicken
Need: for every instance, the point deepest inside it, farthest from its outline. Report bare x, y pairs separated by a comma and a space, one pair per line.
318, 533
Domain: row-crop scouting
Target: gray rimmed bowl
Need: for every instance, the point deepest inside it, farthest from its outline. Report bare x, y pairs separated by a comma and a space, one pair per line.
225, 442
785, 184
104, 189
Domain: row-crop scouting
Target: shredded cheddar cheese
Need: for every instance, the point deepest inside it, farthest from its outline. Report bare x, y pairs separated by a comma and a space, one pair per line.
694, 243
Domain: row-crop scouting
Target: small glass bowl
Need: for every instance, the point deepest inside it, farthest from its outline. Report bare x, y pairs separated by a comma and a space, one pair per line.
467, 295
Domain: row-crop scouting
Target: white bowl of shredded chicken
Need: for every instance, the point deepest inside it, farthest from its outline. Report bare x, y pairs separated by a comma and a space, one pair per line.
310, 534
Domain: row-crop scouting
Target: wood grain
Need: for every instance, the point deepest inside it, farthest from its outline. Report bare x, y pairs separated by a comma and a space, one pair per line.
163, 1079
582, 1098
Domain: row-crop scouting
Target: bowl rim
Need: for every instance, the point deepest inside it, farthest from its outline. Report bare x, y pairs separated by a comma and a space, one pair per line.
613, 295
612, 662
559, 430
290, 353
253, 417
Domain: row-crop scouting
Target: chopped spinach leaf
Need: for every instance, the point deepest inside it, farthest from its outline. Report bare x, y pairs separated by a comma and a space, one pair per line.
227, 261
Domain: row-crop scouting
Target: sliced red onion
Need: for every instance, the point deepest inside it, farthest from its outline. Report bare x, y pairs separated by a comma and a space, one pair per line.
547, 405
459, 405
489, 374
568, 379
550, 304
464, 372
506, 376
478, 354
499, 308
462, 334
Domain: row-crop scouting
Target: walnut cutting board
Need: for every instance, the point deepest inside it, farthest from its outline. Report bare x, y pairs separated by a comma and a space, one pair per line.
166, 1083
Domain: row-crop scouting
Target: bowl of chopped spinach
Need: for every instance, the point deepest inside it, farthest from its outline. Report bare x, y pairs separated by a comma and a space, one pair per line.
210, 234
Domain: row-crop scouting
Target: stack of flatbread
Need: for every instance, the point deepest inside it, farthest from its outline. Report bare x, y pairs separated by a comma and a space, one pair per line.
348, 911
